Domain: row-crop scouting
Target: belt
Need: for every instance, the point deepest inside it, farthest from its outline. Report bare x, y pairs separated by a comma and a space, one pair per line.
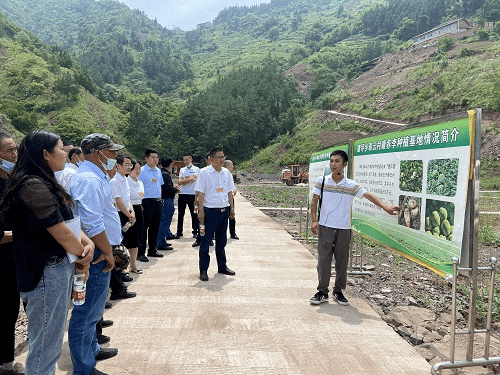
54, 260
152, 199
223, 209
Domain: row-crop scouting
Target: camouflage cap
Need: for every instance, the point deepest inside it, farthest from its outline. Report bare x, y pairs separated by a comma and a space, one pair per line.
96, 141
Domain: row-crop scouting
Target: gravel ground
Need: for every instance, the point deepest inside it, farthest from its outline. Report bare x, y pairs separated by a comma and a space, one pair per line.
396, 284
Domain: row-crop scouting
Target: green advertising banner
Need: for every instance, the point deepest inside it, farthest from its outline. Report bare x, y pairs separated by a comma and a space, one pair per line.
320, 165
425, 171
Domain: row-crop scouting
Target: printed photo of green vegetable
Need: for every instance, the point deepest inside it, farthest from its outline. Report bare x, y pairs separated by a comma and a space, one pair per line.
409, 216
439, 219
442, 177
410, 175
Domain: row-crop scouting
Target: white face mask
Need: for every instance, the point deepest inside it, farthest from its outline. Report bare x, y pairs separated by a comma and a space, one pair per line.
110, 163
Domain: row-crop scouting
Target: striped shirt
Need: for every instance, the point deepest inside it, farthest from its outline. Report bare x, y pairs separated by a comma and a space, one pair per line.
337, 201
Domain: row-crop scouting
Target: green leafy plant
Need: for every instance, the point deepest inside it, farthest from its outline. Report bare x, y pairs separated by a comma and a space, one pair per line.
442, 177
410, 176
446, 43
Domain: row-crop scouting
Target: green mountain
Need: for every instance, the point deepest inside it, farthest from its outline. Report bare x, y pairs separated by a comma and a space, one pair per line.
223, 84
116, 44
44, 87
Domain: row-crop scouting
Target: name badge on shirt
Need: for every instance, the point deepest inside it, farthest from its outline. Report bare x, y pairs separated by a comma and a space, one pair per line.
219, 190
154, 180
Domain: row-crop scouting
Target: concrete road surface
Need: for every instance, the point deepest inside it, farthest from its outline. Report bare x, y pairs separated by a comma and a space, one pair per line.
257, 322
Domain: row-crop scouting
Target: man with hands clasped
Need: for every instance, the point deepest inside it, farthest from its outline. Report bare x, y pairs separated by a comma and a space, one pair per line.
91, 191
215, 205
335, 194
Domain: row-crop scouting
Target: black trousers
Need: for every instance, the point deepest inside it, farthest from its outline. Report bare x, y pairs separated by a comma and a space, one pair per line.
10, 305
139, 224
98, 327
186, 199
232, 227
152, 217
115, 282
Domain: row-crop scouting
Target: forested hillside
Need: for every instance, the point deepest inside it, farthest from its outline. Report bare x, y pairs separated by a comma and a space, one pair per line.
44, 87
223, 83
115, 44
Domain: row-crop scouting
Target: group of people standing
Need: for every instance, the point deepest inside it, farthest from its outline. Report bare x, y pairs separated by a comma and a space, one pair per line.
122, 212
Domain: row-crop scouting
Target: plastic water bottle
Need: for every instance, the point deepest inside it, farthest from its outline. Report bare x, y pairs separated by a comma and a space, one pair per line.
127, 226
202, 229
79, 289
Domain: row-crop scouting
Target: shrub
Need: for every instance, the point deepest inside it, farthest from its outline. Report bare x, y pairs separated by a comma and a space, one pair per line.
446, 43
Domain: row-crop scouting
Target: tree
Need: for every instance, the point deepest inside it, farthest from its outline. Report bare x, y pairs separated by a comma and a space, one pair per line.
66, 85
406, 30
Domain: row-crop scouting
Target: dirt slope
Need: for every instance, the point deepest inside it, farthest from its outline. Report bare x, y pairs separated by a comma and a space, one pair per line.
389, 72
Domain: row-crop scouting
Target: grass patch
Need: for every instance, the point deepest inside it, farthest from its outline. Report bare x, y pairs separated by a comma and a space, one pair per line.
269, 196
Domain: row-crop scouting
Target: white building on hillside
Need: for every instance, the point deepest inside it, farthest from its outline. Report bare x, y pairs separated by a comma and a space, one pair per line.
451, 27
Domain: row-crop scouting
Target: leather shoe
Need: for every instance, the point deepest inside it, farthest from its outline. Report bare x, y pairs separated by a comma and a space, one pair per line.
105, 353
156, 254
97, 372
164, 247
196, 243
203, 276
124, 294
178, 235
106, 323
227, 271
126, 278
17, 369
142, 258
173, 237
235, 237
108, 305
103, 339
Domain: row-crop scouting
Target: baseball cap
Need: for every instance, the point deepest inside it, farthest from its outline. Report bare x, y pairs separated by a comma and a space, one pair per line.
97, 141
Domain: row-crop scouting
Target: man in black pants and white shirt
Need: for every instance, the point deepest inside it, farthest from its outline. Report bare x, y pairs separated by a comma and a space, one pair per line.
152, 179
187, 179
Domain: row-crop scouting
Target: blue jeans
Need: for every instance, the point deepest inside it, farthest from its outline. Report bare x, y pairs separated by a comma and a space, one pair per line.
81, 332
167, 212
215, 223
47, 308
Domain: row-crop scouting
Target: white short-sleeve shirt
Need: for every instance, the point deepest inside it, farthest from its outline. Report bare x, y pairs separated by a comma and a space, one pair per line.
215, 186
337, 201
188, 172
136, 190
121, 189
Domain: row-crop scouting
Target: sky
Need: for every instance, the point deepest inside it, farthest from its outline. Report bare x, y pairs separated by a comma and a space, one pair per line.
185, 14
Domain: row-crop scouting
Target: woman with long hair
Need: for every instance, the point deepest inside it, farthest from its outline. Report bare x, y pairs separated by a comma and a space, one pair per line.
136, 195
36, 207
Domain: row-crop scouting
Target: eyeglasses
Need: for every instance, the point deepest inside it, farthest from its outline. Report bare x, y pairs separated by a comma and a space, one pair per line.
10, 150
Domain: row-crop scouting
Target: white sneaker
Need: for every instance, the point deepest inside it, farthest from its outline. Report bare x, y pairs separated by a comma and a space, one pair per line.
319, 298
